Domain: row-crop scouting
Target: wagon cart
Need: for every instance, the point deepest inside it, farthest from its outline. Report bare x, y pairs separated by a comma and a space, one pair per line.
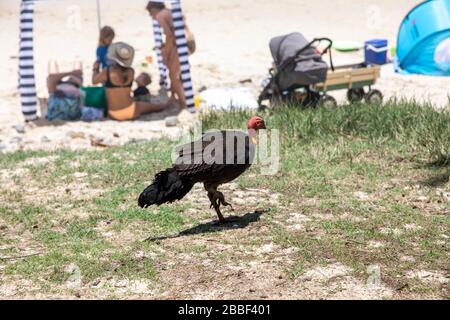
355, 78
301, 77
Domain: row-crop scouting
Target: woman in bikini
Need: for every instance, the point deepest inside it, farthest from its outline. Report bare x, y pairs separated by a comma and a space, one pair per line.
118, 79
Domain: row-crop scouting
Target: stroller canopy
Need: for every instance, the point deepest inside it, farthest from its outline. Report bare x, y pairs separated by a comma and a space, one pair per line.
423, 44
286, 46
298, 63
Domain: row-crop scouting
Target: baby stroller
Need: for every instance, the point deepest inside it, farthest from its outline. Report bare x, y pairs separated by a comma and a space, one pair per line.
298, 66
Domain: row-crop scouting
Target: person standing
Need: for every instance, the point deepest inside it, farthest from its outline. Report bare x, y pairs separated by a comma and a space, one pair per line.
163, 16
106, 38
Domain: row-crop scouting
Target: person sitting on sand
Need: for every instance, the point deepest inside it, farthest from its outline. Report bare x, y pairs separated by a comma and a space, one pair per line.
106, 38
141, 93
160, 13
65, 95
118, 80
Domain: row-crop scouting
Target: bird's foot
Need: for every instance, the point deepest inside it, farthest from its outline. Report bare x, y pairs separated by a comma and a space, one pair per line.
222, 201
218, 203
217, 199
226, 204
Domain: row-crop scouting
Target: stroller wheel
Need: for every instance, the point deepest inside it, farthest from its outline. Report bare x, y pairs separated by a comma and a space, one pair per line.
355, 95
328, 102
305, 99
374, 97
262, 107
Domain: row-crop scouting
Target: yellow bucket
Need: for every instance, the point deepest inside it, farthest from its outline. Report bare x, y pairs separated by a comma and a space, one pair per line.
197, 101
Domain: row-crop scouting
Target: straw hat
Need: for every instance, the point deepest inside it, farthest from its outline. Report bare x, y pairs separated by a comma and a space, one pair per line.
121, 53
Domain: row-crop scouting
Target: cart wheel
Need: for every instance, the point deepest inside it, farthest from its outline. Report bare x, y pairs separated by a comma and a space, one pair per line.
328, 102
374, 97
355, 95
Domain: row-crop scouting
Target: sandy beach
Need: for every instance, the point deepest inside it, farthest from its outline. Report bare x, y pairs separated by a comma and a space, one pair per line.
232, 40
339, 202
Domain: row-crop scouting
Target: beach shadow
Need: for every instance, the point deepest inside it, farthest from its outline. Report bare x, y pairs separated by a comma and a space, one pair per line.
214, 226
149, 117
436, 180
42, 122
443, 162
158, 116
170, 111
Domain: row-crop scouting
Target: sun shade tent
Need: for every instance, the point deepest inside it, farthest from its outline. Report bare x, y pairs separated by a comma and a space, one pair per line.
27, 84
309, 68
423, 44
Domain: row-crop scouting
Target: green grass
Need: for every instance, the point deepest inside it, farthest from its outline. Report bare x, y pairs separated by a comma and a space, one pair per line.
80, 208
404, 122
329, 154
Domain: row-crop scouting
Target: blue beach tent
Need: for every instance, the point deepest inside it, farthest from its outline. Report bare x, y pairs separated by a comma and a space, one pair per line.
423, 43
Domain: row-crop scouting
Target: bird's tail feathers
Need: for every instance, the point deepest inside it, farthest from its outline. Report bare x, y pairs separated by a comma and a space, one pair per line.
167, 187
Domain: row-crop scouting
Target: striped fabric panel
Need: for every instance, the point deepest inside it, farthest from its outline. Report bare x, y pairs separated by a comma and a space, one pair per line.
183, 53
27, 84
163, 79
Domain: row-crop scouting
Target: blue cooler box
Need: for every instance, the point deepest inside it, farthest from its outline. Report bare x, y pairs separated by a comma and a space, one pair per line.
375, 51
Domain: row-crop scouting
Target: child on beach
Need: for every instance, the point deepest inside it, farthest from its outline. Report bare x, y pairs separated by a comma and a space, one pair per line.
142, 93
106, 38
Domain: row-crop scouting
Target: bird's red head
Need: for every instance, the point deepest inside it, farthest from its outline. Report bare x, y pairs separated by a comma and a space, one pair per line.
256, 123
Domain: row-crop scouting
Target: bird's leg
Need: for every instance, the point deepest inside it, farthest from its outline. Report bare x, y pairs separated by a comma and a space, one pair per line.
219, 214
220, 200
217, 199
211, 198
215, 203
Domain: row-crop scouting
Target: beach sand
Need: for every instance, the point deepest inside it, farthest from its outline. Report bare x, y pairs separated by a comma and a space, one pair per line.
232, 41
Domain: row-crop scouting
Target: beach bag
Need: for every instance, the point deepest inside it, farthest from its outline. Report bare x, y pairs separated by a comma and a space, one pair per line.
61, 108
95, 97
90, 114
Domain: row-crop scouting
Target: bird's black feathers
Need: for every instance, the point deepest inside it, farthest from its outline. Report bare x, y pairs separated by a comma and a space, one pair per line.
167, 187
218, 157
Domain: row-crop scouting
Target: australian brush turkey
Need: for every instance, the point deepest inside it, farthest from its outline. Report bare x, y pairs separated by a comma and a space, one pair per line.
218, 157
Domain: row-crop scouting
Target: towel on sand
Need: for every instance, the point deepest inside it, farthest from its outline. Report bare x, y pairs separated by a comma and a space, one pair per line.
227, 98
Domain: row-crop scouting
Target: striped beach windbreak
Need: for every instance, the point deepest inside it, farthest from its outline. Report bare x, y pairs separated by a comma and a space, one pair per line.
183, 53
27, 84
158, 44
